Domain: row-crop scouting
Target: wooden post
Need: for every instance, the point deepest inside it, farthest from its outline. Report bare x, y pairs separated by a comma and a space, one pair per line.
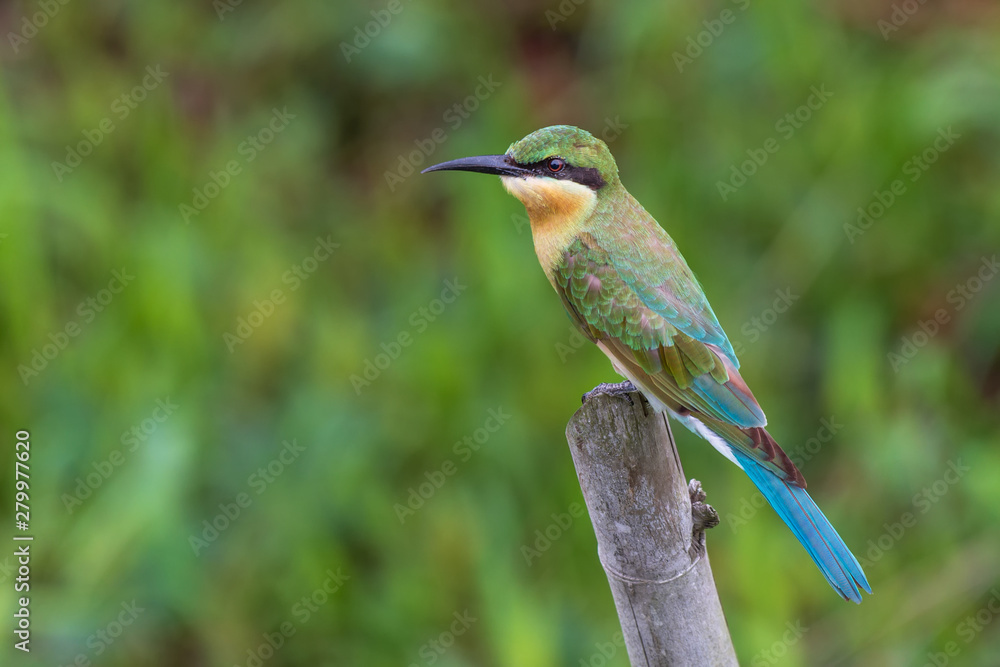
650, 542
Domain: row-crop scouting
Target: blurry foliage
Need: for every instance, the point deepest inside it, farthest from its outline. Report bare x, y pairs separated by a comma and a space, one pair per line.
503, 343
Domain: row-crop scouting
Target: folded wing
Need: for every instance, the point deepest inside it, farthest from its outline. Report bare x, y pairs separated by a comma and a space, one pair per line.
681, 353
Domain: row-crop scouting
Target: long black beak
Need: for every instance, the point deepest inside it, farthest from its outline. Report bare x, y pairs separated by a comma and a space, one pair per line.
499, 165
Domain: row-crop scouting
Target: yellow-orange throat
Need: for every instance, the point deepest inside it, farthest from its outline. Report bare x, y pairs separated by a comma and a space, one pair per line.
557, 210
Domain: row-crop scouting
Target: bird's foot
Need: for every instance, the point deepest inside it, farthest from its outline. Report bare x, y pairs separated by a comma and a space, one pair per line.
611, 389
703, 515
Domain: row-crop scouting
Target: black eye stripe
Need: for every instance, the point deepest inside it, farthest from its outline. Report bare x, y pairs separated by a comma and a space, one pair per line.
588, 176
542, 168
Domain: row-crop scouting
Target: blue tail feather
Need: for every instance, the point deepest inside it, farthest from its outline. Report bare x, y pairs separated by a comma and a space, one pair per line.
813, 530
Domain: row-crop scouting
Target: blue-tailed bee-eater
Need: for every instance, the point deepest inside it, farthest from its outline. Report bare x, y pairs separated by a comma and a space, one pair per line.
626, 286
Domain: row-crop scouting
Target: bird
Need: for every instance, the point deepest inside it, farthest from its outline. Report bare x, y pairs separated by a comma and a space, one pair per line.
628, 289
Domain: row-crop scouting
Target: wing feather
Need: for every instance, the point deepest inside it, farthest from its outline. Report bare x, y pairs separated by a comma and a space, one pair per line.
683, 357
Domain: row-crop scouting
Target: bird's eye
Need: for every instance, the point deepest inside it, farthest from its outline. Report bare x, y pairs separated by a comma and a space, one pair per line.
556, 165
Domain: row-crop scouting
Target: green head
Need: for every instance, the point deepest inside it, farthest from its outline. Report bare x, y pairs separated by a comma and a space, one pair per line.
560, 152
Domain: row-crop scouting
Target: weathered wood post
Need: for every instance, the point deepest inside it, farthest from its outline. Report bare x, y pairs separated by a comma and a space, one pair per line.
651, 544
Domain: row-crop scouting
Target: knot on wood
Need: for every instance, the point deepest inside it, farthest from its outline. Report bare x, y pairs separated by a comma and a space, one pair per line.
703, 515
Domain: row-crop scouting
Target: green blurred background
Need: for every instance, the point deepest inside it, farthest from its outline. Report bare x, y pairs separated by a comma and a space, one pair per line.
311, 247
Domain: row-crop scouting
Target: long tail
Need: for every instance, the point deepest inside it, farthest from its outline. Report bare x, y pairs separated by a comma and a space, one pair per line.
800, 513
790, 500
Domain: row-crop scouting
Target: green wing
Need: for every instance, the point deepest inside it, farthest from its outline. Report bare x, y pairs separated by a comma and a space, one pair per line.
686, 374
676, 341
648, 261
